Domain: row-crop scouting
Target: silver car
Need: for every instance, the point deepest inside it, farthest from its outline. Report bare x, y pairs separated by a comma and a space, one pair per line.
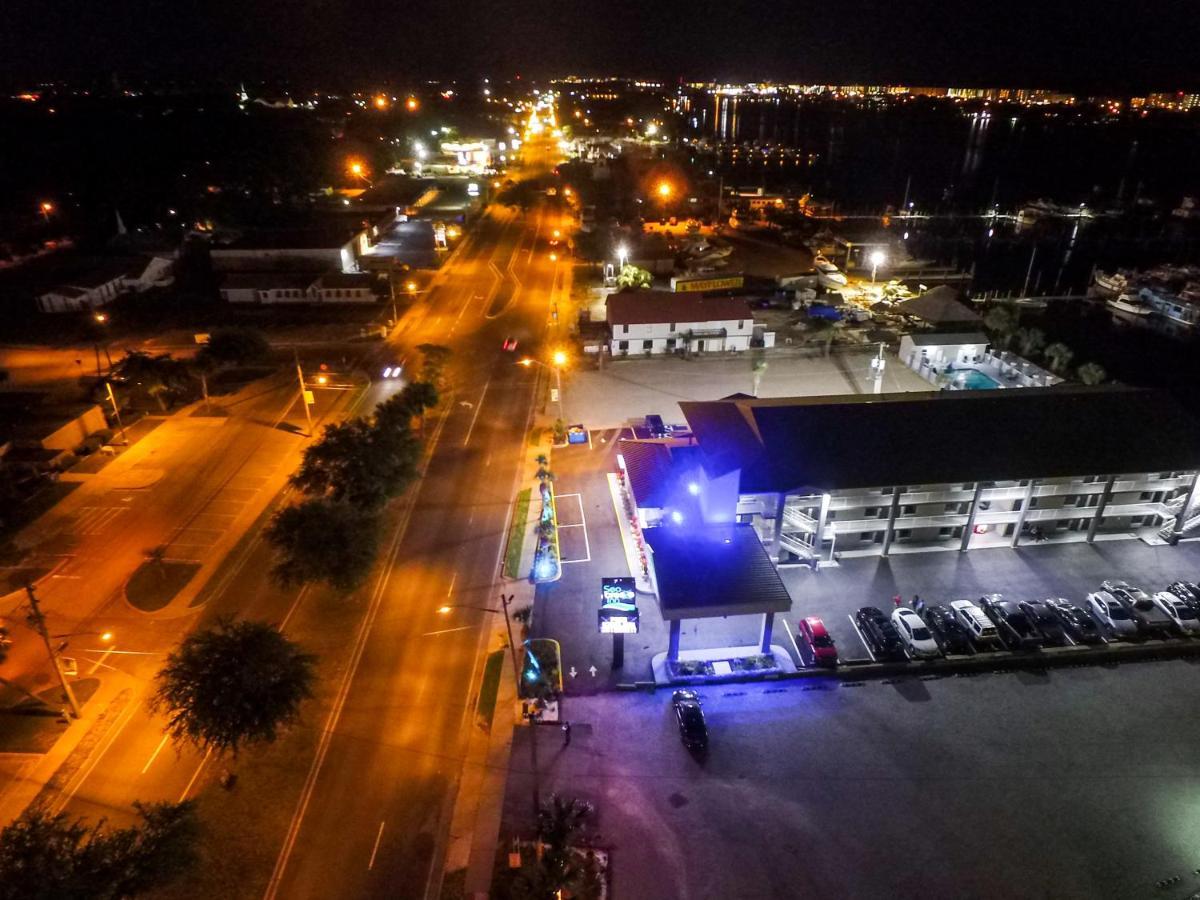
1111, 612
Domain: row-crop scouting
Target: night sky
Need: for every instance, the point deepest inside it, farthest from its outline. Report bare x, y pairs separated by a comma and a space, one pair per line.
1073, 44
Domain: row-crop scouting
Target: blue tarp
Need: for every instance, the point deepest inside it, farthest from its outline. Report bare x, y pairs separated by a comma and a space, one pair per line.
821, 311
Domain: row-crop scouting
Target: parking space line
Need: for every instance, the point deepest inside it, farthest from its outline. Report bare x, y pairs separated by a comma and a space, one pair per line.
582, 523
866, 646
787, 628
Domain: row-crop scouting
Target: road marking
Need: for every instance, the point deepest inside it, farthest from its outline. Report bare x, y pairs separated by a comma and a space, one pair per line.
356, 652
154, 755
100, 662
195, 775
582, 523
478, 407
375, 849
450, 590
447, 630
792, 638
295, 603
105, 746
866, 647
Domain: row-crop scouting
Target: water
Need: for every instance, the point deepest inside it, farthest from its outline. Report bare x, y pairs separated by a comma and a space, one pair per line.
973, 380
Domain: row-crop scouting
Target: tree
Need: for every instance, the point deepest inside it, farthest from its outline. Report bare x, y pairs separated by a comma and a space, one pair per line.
632, 277
561, 869
319, 540
1001, 320
1091, 373
1060, 356
356, 462
400, 409
233, 684
159, 376
236, 346
48, 857
1030, 340
759, 369
433, 360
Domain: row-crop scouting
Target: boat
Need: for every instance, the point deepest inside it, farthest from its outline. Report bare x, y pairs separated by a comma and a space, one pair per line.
1182, 309
1129, 305
834, 279
1115, 283
822, 264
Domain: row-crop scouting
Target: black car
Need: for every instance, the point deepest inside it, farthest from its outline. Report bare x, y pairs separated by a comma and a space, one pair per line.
693, 730
1014, 627
1188, 592
1075, 622
1044, 622
946, 629
880, 634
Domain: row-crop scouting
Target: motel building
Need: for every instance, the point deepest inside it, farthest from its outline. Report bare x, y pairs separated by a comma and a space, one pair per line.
939, 470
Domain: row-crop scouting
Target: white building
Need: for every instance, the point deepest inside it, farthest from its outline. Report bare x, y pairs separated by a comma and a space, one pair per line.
645, 323
302, 248
293, 287
867, 474
104, 281
965, 362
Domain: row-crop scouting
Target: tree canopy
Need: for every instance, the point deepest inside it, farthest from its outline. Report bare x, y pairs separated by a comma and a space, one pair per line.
359, 463
633, 277
233, 684
236, 346
46, 856
321, 540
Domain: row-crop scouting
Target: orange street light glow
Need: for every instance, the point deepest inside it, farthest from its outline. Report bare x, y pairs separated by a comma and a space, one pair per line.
381, 102
356, 168
412, 104
411, 286
560, 358
106, 636
322, 379
664, 189
553, 257
47, 207
100, 317
443, 609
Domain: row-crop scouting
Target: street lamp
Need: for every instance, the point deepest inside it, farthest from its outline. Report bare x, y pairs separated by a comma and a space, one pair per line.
664, 189
622, 256
358, 170
45, 208
505, 600
878, 258
559, 359
412, 104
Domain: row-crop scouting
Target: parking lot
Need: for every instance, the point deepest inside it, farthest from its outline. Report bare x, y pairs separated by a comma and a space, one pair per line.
626, 390
1069, 571
1072, 783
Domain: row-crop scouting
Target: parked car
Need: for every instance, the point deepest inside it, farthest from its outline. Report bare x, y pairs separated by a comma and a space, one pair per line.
1076, 622
1044, 622
1147, 615
1187, 622
915, 634
1014, 627
654, 425
820, 644
1188, 592
1112, 613
983, 633
947, 630
880, 635
693, 730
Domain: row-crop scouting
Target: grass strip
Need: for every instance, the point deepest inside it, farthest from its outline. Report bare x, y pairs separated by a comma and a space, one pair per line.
516, 535
486, 706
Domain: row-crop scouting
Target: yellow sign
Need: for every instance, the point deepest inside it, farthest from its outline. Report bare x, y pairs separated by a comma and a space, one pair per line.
679, 285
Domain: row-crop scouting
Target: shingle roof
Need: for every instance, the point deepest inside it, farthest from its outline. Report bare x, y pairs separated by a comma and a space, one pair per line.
714, 570
655, 307
943, 339
857, 441
939, 306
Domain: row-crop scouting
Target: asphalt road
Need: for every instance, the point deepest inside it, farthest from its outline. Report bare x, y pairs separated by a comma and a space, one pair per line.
374, 820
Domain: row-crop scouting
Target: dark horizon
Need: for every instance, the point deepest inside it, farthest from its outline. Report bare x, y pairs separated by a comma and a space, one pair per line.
1072, 45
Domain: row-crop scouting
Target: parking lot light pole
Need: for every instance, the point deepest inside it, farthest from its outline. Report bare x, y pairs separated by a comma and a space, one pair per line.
560, 360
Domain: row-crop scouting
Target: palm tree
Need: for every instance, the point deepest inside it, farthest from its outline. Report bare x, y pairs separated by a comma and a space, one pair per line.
1002, 322
1091, 373
760, 369
1060, 356
1030, 340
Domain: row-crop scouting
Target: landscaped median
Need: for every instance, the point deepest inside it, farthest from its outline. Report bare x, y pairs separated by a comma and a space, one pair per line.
516, 534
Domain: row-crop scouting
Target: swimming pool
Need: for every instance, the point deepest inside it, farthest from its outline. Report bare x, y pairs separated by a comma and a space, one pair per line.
971, 380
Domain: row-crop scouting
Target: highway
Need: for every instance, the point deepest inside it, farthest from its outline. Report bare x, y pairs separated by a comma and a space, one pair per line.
372, 817
374, 820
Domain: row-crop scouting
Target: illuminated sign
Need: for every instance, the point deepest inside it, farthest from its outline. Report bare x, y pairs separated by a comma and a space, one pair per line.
618, 606
681, 285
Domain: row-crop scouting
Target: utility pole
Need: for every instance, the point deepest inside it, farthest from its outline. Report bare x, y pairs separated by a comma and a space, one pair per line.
304, 393
38, 621
1029, 271
117, 411
505, 600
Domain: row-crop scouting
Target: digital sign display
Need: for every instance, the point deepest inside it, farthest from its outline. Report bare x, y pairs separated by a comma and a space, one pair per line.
618, 606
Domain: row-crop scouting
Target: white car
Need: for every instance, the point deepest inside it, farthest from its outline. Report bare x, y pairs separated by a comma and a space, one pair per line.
1110, 611
915, 634
978, 626
1181, 614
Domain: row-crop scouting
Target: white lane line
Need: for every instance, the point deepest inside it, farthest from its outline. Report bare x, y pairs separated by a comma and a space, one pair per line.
100, 662
154, 755
450, 590
587, 547
200, 768
447, 630
295, 603
375, 849
478, 408
866, 647
792, 637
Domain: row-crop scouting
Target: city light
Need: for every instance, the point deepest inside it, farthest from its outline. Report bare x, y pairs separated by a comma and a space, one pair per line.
443, 609
381, 102
100, 317
878, 258
664, 189
560, 358
411, 287
693, 488
412, 104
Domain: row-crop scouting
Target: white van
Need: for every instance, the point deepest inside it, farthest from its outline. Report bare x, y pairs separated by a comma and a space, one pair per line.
978, 625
